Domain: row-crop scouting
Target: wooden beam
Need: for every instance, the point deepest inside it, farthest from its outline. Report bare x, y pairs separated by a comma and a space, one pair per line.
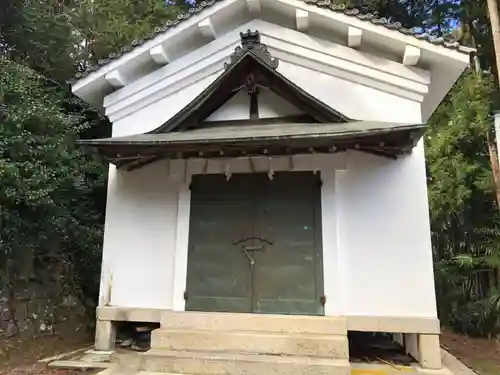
159, 55
302, 19
115, 79
142, 163
254, 6
206, 28
411, 55
354, 37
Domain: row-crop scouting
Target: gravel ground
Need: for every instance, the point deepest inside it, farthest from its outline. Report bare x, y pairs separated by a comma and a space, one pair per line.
479, 354
42, 369
20, 356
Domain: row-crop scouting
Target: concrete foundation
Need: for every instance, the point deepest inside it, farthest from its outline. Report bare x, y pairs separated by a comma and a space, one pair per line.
105, 335
301, 336
354, 322
429, 351
423, 347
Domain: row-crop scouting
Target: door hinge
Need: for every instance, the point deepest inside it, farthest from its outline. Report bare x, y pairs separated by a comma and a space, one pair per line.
185, 295
323, 300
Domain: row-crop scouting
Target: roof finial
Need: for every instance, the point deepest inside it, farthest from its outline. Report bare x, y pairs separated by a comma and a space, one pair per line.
250, 43
250, 39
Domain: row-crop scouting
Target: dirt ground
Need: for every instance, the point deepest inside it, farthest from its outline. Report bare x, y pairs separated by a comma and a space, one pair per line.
19, 357
481, 355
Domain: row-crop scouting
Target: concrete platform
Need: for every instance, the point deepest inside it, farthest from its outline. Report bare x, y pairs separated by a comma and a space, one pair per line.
320, 325
128, 363
455, 366
335, 346
206, 363
357, 369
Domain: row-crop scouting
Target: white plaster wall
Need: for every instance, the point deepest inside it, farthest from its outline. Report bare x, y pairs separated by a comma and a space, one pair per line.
270, 106
139, 238
376, 241
237, 108
385, 258
355, 101
154, 115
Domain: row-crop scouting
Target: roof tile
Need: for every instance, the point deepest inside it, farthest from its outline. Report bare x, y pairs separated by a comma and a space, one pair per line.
339, 8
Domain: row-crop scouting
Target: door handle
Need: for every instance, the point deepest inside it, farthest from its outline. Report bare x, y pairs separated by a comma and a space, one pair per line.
245, 239
253, 248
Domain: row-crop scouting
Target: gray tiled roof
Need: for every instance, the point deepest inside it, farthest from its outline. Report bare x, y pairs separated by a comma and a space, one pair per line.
257, 132
339, 8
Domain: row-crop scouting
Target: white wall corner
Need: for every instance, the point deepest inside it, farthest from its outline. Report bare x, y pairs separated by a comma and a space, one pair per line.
354, 37
253, 6
411, 55
206, 28
496, 117
159, 55
115, 79
301, 19
329, 241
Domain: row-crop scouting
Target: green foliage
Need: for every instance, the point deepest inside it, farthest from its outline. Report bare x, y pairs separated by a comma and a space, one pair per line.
461, 191
104, 26
52, 197
465, 221
38, 34
45, 178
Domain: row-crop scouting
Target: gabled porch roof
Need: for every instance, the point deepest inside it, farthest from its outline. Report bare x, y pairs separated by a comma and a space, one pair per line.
384, 139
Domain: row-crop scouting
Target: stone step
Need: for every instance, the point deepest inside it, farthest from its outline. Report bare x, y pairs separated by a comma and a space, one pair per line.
334, 346
210, 363
321, 325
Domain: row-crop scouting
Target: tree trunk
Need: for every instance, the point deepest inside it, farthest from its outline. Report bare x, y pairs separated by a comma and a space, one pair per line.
492, 147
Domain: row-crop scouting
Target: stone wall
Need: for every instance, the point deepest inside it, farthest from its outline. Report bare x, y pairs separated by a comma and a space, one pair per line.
40, 300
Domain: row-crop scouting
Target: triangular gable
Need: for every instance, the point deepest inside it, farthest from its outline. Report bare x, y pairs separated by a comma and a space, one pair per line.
270, 106
252, 70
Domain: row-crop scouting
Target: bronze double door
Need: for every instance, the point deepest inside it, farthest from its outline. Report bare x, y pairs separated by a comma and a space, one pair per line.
255, 244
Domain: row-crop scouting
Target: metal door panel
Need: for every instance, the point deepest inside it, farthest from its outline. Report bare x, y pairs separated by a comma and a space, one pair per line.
218, 277
286, 274
278, 221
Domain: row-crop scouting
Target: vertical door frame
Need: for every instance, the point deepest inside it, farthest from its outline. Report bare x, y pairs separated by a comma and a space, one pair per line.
325, 164
329, 220
181, 245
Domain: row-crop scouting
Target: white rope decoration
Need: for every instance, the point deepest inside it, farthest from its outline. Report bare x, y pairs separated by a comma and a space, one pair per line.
290, 163
252, 166
270, 174
315, 162
168, 168
186, 165
227, 169
205, 167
